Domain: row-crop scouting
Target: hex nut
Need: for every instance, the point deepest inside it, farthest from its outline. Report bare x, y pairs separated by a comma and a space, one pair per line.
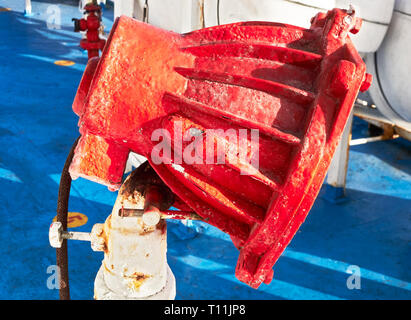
97, 240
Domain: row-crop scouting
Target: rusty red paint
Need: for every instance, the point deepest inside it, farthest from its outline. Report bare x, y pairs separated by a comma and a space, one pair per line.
297, 86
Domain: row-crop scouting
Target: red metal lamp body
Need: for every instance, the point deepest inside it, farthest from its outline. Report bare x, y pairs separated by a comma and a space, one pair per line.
296, 86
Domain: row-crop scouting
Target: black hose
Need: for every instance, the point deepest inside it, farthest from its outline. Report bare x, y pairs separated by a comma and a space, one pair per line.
62, 211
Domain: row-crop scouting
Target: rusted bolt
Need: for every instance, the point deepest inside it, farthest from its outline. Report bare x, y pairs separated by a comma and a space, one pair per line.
57, 235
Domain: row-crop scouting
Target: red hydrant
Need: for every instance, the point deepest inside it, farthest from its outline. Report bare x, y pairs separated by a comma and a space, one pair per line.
92, 43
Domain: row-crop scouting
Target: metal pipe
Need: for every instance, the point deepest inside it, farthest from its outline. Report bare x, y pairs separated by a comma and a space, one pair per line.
359, 141
27, 9
166, 214
83, 236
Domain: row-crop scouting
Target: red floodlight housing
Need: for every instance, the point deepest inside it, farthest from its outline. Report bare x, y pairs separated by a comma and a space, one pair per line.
296, 86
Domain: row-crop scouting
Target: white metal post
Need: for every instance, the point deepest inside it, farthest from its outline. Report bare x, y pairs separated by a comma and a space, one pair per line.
27, 8
337, 172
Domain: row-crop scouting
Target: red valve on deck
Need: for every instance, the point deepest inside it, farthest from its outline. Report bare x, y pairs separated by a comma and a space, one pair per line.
295, 87
92, 43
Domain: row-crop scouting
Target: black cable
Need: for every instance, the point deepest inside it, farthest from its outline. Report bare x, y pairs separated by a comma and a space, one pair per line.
218, 12
62, 211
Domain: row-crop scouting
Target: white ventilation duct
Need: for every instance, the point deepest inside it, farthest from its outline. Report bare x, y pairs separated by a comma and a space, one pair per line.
376, 15
391, 69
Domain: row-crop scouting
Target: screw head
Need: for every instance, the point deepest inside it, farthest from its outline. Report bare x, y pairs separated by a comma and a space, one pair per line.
151, 218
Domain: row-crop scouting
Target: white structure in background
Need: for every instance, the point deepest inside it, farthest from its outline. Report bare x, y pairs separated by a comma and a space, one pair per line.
376, 15
175, 15
82, 3
390, 66
187, 15
27, 8
391, 69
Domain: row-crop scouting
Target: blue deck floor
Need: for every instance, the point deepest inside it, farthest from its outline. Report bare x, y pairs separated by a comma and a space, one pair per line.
371, 229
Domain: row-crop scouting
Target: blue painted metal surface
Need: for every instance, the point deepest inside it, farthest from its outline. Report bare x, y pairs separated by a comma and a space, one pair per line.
37, 127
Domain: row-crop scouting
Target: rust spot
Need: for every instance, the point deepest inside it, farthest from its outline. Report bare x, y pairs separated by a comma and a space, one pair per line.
106, 232
144, 229
140, 276
162, 225
137, 280
202, 21
134, 186
107, 269
109, 222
